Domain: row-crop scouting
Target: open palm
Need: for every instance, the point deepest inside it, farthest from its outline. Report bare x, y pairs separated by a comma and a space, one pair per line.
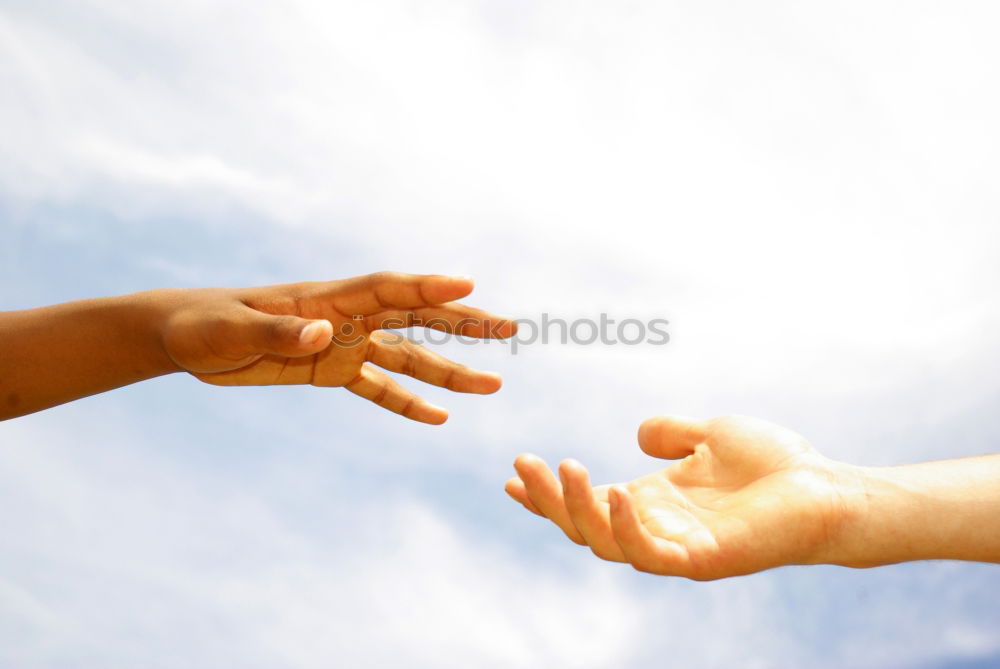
746, 495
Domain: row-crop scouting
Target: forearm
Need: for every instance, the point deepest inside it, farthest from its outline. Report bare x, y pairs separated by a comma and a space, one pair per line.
935, 510
56, 354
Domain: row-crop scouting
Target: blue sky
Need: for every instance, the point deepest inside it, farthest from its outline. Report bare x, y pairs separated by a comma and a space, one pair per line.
806, 191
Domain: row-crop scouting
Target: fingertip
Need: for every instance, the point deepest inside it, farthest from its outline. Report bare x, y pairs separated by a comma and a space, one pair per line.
650, 429
646, 429
527, 461
493, 383
463, 284
438, 289
616, 498
670, 437
524, 457
436, 415
505, 327
569, 468
563, 473
316, 333
515, 488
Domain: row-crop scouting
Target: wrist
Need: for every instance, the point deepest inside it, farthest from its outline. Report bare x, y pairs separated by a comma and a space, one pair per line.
144, 318
869, 537
892, 523
844, 516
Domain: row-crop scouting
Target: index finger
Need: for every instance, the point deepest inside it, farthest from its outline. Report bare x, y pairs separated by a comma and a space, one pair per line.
451, 317
383, 291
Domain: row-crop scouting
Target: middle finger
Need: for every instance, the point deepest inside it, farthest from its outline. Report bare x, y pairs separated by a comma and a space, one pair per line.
396, 353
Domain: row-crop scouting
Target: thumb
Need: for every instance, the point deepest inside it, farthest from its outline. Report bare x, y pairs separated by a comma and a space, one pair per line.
285, 335
671, 437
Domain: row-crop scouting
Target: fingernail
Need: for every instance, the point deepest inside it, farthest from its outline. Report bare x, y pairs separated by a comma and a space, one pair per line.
312, 333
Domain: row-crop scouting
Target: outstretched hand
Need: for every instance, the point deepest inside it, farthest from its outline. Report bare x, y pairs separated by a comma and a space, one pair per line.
747, 495
326, 334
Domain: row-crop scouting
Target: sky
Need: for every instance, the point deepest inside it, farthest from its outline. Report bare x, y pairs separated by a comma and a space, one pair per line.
806, 191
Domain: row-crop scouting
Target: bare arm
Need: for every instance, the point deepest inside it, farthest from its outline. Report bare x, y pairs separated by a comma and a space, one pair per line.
55, 354
323, 334
948, 509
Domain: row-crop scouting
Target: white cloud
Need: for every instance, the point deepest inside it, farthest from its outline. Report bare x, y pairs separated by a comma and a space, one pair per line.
390, 578
806, 192
423, 592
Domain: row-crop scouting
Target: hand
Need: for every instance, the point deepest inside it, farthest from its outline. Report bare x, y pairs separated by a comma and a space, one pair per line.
747, 495
323, 334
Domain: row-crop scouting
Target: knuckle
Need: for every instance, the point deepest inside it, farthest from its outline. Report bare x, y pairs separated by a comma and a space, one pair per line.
449, 379
640, 566
384, 276
409, 363
601, 552
699, 576
698, 572
407, 409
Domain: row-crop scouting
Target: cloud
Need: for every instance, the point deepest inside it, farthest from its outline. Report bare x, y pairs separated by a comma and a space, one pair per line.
805, 192
427, 594
387, 577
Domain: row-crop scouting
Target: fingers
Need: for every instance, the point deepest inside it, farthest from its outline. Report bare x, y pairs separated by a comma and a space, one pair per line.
671, 437
452, 317
385, 392
641, 549
545, 494
515, 488
588, 514
385, 291
665, 540
398, 354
